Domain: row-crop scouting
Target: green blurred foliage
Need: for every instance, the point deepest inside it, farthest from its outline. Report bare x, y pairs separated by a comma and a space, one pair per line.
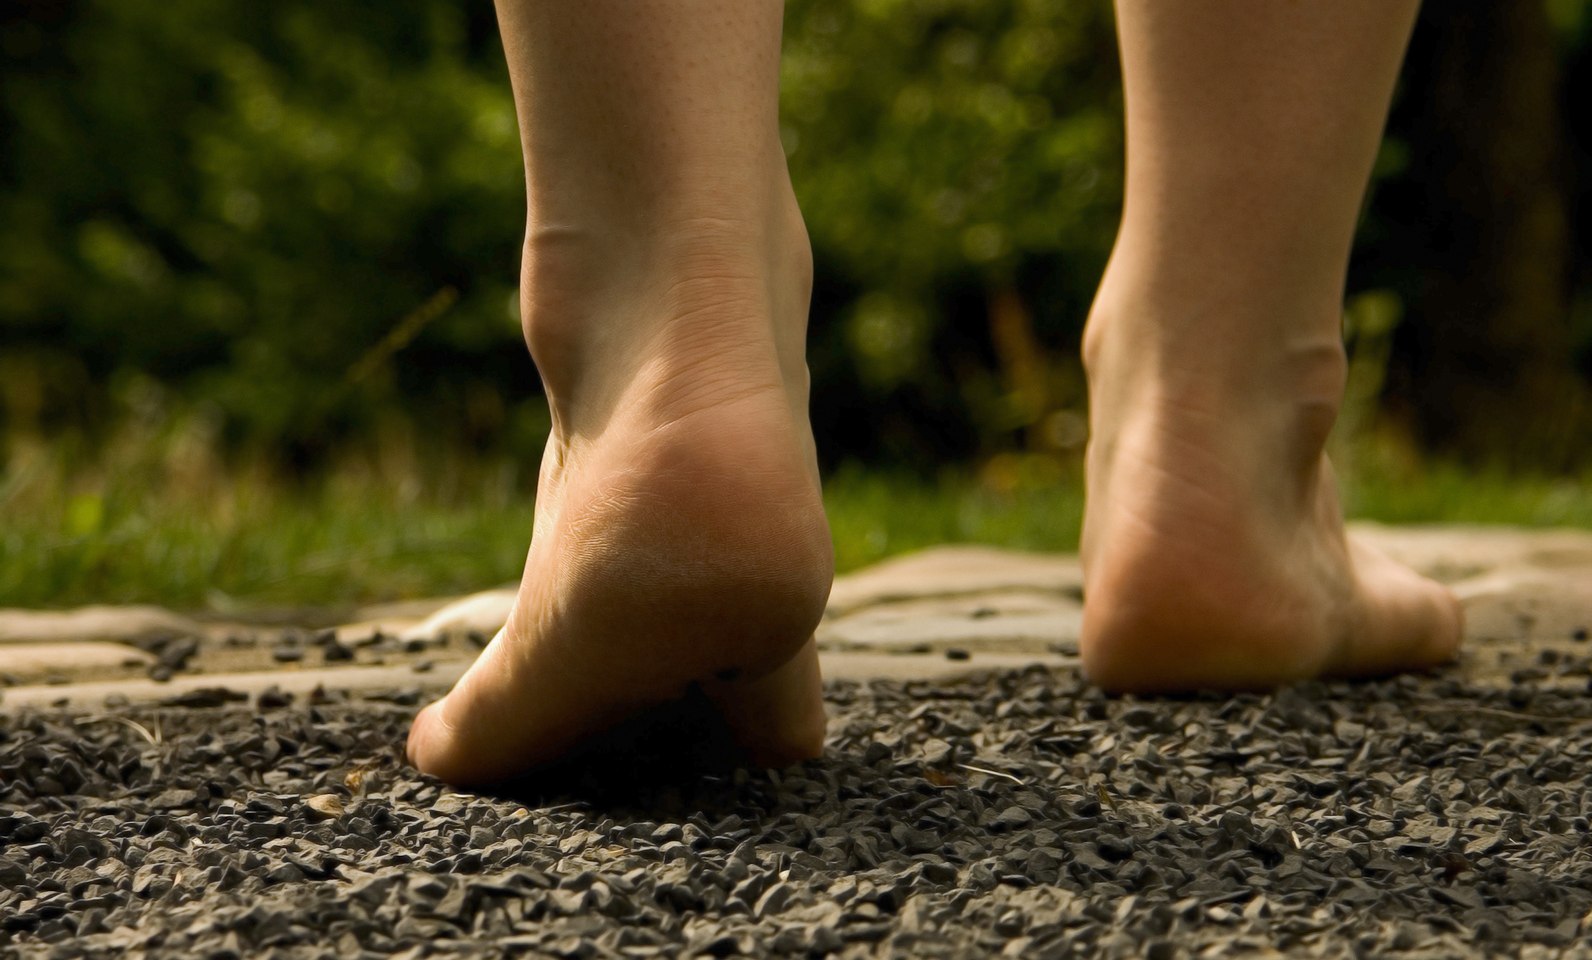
935, 137
228, 206
238, 237
298, 225
946, 152
238, 203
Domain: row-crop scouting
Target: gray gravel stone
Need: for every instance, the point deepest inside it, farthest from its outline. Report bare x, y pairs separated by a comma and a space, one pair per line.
1016, 814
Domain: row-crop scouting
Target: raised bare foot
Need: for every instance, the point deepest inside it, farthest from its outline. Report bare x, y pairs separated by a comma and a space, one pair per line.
680, 540
1214, 549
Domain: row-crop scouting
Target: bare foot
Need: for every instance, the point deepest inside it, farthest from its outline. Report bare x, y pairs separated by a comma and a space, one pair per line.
680, 540
1214, 548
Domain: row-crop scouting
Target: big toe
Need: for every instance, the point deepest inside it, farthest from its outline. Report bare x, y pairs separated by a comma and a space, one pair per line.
478, 734
431, 742
490, 727
1448, 623
1414, 622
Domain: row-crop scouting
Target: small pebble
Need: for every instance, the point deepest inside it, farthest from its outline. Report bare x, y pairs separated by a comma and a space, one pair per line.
327, 806
176, 653
1422, 813
273, 698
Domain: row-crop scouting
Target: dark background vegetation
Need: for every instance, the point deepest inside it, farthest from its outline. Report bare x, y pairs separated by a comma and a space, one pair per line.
294, 226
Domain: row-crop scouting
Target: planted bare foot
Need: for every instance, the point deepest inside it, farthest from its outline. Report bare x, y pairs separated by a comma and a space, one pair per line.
680, 542
1214, 548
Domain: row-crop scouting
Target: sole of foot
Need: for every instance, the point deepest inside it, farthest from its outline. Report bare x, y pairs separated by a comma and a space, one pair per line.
680, 546
1214, 549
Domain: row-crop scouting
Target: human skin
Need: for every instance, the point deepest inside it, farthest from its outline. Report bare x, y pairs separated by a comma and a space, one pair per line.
680, 542
1214, 550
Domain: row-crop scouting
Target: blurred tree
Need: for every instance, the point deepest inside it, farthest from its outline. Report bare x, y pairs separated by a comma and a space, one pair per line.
242, 201
305, 219
960, 143
1485, 366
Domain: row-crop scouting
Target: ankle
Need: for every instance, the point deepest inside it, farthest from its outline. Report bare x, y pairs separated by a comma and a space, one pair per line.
596, 295
1144, 351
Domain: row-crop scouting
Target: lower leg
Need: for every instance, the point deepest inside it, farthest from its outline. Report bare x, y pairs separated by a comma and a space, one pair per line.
679, 540
1213, 543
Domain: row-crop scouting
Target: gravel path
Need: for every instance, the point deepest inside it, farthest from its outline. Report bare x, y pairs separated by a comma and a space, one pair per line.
1021, 813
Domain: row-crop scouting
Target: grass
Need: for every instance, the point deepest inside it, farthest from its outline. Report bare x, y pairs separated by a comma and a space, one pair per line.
203, 539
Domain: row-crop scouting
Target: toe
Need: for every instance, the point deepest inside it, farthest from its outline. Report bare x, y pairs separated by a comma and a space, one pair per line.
427, 744
1424, 631
479, 733
1412, 623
